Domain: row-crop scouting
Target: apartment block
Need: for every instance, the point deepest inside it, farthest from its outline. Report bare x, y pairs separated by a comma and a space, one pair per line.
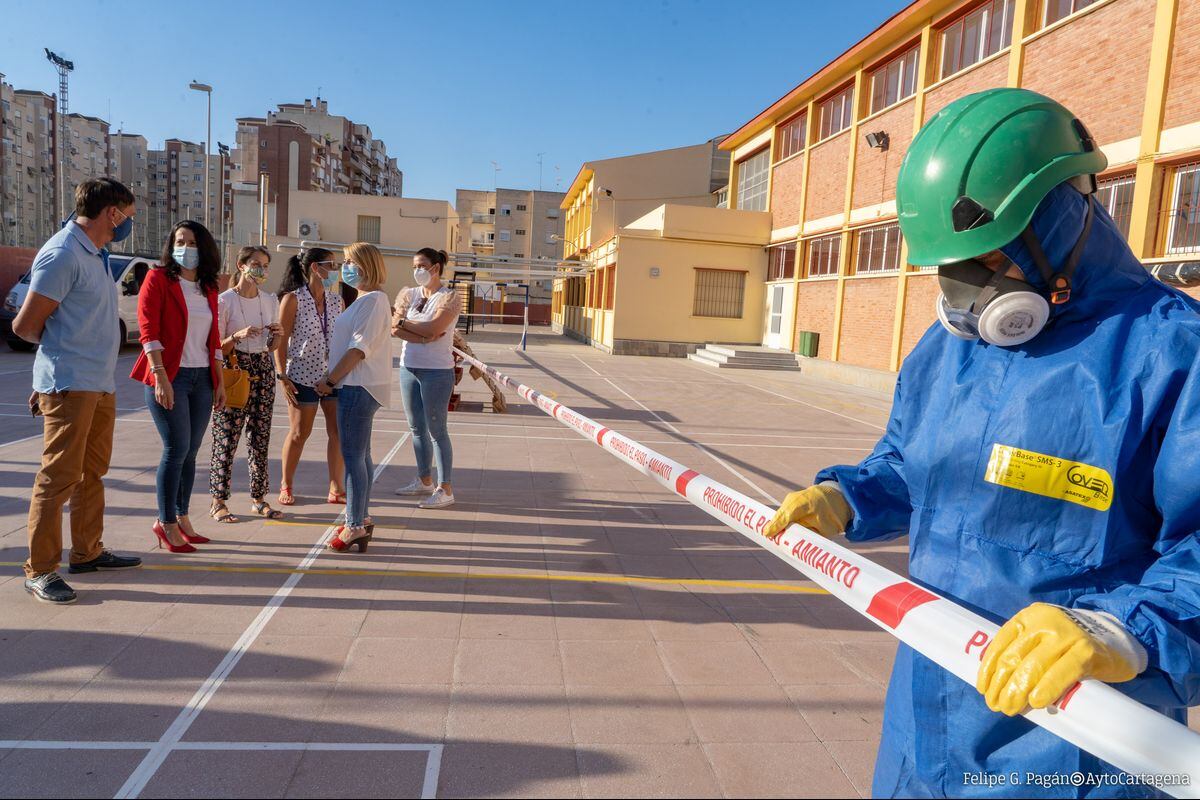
823, 159
131, 166
302, 147
88, 154
28, 195
476, 221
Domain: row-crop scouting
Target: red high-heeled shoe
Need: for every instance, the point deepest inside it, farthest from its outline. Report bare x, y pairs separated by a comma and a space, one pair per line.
163, 541
339, 545
193, 538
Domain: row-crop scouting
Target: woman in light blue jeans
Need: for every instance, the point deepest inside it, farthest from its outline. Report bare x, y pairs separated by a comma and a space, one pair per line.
424, 317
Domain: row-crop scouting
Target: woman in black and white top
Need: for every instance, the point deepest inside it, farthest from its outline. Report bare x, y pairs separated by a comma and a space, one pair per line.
309, 306
248, 323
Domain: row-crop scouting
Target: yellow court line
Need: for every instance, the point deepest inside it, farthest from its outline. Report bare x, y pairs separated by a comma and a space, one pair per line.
498, 576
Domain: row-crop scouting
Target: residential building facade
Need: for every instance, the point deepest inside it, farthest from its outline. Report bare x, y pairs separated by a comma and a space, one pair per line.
823, 159
28, 153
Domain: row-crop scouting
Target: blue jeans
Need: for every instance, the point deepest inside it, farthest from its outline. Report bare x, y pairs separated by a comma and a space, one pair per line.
181, 430
426, 394
355, 414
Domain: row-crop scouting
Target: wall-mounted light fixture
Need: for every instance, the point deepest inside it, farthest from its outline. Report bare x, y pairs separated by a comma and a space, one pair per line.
878, 139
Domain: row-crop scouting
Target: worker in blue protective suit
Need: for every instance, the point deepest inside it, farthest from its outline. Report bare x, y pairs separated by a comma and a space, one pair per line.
1043, 455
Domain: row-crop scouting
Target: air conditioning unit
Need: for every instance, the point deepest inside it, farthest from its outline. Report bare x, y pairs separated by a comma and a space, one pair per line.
310, 229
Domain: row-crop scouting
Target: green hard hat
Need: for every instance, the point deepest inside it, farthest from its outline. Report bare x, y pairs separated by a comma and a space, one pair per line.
976, 171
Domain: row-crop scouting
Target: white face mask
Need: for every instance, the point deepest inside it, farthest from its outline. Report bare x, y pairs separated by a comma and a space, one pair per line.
422, 276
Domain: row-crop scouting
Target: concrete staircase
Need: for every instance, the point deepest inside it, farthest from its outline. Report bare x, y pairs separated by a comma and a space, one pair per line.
741, 356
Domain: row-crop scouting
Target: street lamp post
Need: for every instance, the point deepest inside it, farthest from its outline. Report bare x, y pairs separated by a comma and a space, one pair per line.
204, 87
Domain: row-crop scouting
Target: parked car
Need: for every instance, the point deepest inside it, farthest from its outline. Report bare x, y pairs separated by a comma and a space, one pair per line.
127, 271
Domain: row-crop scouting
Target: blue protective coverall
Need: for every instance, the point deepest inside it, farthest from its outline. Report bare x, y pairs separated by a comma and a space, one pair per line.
1113, 381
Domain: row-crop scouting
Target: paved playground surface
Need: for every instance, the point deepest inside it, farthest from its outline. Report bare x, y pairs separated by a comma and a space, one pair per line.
569, 628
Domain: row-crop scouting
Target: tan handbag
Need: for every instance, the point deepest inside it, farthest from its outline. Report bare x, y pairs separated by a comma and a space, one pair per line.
237, 383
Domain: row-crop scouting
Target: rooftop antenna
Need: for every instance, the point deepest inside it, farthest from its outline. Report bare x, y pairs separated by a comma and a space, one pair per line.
64, 67
540, 186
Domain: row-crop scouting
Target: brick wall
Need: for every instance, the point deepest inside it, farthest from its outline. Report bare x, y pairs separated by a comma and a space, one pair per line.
875, 170
1183, 85
868, 311
785, 192
990, 75
919, 313
814, 312
1104, 80
827, 177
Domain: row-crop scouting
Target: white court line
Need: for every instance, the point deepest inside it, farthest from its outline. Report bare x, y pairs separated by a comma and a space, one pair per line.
678, 432
874, 425
174, 734
32, 744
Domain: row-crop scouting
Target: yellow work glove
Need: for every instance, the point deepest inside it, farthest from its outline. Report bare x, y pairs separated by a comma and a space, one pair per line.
820, 508
1044, 650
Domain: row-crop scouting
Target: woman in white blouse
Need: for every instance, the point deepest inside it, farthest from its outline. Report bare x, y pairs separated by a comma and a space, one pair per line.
248, 323
360, 359
424, 318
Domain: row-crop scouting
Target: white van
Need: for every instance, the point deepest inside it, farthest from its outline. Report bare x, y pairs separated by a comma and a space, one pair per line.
128, 272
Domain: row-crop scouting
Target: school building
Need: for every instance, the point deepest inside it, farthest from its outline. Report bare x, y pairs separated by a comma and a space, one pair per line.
831, 278
823, 159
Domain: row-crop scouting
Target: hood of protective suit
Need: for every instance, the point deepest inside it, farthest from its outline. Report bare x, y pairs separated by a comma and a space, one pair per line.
1107, 270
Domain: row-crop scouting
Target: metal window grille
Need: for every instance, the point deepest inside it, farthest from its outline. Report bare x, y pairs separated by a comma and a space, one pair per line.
1116, 195
878, 249
823, 255
781, 263
1183, 218
719, 293
368, 229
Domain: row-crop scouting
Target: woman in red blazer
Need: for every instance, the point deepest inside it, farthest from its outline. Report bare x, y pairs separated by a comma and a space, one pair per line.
180, 364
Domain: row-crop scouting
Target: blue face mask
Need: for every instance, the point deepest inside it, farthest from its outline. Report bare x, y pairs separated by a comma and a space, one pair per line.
350, 275
330, 280
186, 257
121, 232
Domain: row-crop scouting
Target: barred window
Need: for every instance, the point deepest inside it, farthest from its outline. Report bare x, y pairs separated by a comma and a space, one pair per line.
789, 138
752, 181
368, 229
878, 249
1183, 218
1116, 195
836, 112
781, 262
975, 36
719, 293
823, 255
894, 81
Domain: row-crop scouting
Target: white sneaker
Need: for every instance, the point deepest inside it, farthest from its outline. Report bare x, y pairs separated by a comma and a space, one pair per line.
439, 499
416, 489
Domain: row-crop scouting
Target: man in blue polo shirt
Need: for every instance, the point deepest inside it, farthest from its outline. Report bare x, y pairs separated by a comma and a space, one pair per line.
71, 311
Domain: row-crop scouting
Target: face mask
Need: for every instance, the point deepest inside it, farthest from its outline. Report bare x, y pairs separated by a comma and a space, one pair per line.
330, 280
121, 232
350, 275
256, 274
186, 257
422, 276
977, 303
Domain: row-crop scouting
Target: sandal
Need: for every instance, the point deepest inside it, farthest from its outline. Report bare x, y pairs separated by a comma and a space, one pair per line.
285, 496
221, 513
336, 499
262, 509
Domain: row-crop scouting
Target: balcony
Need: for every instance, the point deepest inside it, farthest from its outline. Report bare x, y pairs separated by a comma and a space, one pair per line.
482, 243
483, 219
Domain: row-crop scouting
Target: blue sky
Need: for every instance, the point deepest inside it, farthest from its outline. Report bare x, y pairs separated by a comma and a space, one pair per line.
450, 85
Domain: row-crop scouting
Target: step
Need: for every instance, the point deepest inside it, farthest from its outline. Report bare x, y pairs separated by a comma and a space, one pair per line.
742, 358
724, 362
755, 352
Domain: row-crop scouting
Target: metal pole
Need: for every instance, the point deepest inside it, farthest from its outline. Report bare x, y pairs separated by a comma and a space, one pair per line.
264, 180
208, 164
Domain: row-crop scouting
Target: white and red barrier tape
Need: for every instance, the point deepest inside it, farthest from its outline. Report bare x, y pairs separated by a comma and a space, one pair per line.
1092, 715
